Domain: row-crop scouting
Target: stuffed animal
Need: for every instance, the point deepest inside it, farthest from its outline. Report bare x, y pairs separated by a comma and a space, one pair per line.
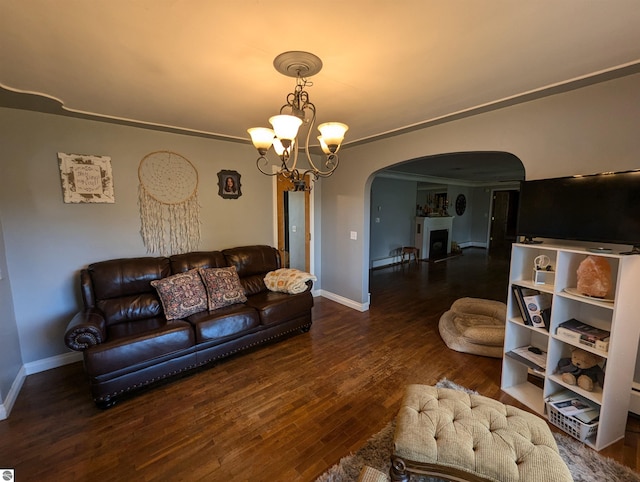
581, 369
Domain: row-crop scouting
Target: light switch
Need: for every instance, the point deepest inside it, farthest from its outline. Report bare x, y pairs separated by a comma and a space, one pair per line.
354, 235
294, 229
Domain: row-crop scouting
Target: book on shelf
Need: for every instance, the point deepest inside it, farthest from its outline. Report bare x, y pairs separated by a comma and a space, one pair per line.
519, 293
584, 334
536, 360
539, 308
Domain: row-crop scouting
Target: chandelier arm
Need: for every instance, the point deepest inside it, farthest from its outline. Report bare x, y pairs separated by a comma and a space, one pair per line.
313, 172
266, 162
312, 122
286, 166
331, 163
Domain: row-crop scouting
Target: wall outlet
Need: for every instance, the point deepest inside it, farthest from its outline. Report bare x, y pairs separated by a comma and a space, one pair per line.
354, 235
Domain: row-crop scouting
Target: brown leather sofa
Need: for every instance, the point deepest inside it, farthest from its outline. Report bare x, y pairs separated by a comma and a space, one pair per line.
127, 341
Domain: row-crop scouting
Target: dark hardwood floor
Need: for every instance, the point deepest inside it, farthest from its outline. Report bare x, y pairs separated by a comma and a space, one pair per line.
283, 412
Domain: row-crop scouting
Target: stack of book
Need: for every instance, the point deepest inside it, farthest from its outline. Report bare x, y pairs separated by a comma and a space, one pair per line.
535, 307
584, 334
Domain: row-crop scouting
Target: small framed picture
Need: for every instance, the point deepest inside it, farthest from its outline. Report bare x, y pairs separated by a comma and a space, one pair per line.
229, 184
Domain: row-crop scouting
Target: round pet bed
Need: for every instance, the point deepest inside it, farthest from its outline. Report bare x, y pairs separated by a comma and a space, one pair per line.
475, 326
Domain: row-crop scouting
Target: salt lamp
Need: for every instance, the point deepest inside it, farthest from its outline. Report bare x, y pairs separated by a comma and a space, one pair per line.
594, 277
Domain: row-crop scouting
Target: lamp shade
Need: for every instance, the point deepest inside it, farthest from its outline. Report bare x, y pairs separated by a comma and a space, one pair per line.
332, 134
285, 126
262, 138
279, 148
323, 146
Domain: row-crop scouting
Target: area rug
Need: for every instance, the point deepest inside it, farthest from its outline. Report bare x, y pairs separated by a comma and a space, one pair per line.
585, 464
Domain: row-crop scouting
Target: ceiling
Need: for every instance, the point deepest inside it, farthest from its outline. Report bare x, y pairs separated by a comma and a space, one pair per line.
462, 168
206, 66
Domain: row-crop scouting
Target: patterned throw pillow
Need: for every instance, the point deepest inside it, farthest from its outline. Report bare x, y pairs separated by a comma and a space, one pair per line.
181, 294
288, 280
223, 286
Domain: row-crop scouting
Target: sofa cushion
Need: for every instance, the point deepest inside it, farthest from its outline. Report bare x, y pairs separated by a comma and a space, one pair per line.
223, 286
252, 264
181, 294
127, 351
126, 276
137, 327
223, 322
276, 307
288, 280
197, 259
130, 308
121, 288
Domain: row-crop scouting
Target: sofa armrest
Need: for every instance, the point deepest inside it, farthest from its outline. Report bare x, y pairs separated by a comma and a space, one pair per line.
86, 329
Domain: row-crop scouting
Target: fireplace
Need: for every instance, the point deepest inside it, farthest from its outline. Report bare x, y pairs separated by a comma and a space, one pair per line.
438, 241
432, 236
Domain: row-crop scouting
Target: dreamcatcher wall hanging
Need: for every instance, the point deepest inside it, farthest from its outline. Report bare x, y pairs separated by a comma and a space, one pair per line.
168, 201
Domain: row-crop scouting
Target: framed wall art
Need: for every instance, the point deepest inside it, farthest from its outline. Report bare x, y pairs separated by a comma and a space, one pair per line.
86, 179
229, 184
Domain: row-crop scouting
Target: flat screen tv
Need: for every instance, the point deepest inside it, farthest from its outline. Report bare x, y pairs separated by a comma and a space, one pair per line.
601, 208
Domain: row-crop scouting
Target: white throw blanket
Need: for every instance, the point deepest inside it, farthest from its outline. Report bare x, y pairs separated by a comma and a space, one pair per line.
288, 280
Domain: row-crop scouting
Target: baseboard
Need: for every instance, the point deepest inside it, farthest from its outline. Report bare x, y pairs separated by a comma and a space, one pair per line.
31, 368
52, 362
345, 301
378, 263
473, 244
7, 405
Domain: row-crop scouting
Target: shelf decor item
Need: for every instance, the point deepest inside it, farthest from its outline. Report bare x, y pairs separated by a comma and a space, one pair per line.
594, 277
168, 200
543, 270
584, 334
86, 179
570, 424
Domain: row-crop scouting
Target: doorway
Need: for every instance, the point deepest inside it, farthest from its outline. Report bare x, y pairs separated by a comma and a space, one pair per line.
504, 217
294, 226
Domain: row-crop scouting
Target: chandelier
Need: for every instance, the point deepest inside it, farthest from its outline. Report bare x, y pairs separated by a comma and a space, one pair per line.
298, 111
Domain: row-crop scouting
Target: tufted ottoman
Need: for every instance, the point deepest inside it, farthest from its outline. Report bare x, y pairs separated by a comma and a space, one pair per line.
450, 434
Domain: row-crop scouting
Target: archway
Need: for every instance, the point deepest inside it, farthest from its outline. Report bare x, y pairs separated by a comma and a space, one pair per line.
431, 185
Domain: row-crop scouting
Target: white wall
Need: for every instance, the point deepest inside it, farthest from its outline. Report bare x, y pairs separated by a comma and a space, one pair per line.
47, 241
592, 129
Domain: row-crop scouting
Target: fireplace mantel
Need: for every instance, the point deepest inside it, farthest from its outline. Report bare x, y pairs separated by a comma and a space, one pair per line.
424, 228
